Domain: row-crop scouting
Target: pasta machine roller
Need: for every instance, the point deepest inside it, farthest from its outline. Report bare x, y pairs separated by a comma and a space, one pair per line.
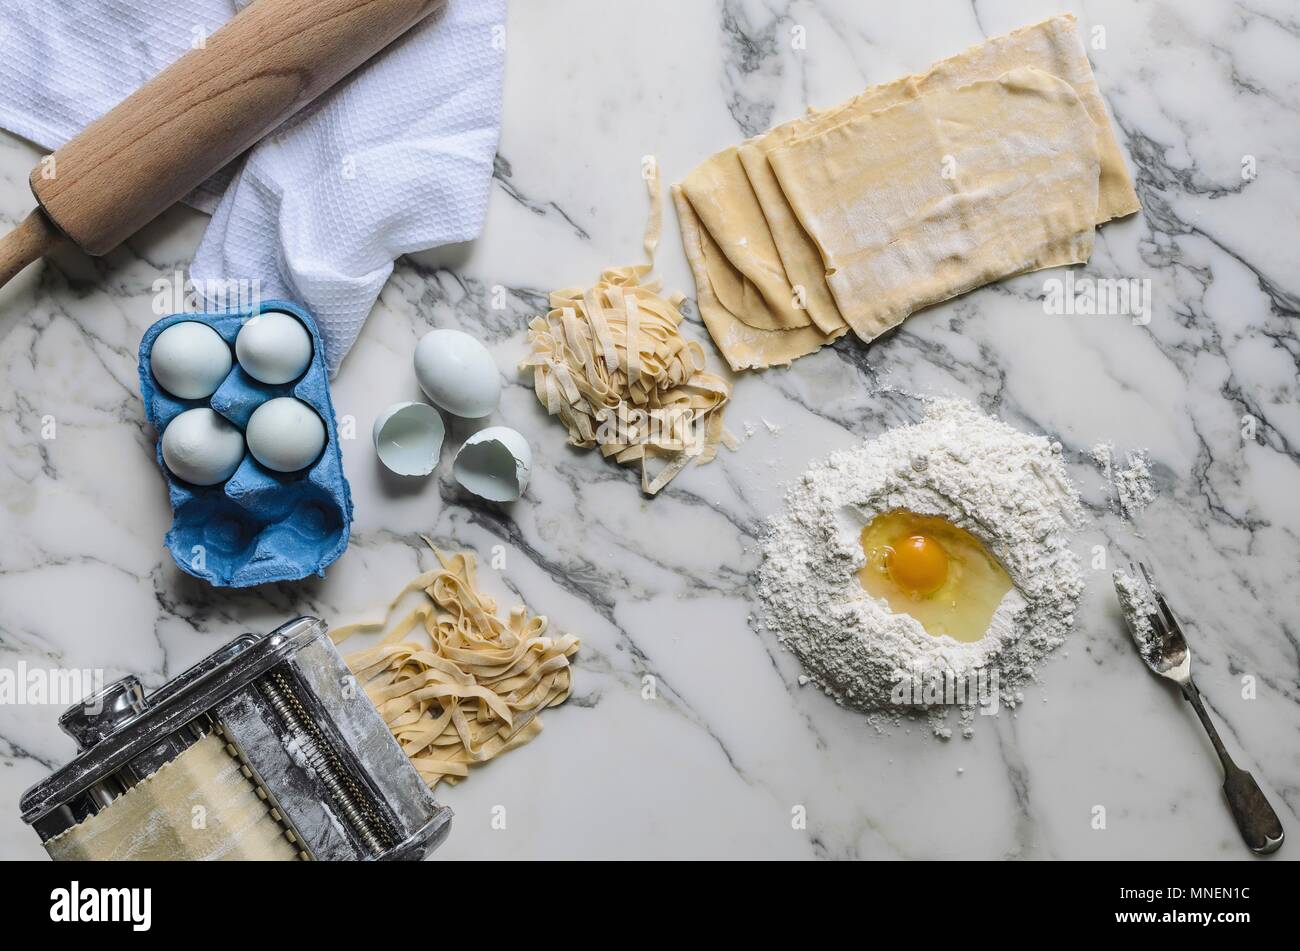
266, 749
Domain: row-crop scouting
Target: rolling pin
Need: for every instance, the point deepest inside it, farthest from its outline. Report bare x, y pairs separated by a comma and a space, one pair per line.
211, 105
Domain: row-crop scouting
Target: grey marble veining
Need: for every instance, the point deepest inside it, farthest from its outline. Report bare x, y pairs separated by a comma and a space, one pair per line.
730, 747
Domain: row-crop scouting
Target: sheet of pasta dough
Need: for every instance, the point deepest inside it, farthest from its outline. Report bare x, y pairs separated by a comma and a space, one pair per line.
743, 346
738, 231
1053, 46
198, 806
926, 200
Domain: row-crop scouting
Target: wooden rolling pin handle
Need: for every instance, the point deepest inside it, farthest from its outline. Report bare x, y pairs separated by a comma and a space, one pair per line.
34, 237
211, 105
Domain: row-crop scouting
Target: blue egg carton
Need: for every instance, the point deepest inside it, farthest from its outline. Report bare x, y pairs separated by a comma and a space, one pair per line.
259, 526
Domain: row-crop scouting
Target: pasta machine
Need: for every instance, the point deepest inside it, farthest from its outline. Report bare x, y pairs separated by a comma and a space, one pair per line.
267, 749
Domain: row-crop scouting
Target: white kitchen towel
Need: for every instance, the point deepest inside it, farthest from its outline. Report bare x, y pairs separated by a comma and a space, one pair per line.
397, 158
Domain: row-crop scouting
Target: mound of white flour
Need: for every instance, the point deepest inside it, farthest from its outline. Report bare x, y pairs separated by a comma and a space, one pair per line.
1007, 488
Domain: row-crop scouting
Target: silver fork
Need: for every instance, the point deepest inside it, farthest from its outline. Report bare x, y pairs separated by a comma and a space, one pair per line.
1169, 657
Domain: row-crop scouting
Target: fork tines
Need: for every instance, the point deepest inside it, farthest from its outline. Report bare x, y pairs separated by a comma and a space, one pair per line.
1165, 618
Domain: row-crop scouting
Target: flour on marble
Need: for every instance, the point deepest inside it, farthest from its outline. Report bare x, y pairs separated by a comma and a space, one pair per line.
1007, 488
1131, 484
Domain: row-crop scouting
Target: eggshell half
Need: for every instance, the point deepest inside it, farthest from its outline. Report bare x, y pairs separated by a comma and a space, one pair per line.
494, 464
408, 438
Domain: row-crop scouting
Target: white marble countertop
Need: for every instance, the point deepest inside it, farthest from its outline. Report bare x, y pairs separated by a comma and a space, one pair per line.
716, 764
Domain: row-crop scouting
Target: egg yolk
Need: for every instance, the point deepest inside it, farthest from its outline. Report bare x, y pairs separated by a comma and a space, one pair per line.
926, 567
917, 564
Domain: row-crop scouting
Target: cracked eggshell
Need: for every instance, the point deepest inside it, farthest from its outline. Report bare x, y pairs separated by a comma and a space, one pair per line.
408, 438
457, 373
494, 464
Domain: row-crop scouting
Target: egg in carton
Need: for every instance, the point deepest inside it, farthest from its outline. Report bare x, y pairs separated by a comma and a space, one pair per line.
259, 525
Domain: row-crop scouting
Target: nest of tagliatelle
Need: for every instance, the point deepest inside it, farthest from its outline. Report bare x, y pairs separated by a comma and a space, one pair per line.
611, 363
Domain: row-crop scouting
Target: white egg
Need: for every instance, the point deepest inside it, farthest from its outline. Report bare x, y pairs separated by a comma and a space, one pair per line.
457, 373
408, 438
202, 446
285, 434
273, 347
494, 464
189, 360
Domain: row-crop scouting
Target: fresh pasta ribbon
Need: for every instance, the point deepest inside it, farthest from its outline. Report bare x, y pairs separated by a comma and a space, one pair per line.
474, 690
611, 363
